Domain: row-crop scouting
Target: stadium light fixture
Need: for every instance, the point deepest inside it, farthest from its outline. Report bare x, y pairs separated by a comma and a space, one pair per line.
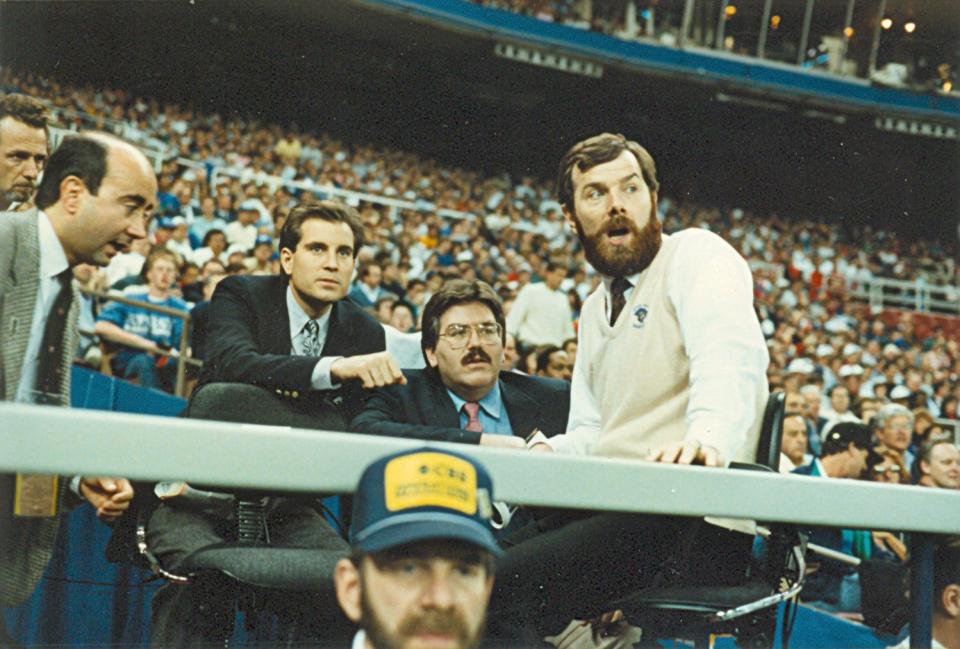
886, 23
909, 26
848, 31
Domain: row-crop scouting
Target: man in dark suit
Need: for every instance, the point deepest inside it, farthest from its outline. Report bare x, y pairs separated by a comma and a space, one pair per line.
96, 196
295, 336
462, 396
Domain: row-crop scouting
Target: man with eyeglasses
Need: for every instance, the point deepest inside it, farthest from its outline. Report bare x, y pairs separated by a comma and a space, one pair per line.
462, 395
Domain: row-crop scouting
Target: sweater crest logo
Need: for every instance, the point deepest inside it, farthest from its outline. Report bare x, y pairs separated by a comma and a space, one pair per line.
640, 316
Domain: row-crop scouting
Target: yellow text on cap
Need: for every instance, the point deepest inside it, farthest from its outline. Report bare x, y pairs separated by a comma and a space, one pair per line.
430, 480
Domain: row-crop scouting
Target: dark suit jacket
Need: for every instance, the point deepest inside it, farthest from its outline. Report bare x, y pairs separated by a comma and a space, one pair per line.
422, 409
26, 544
248, 341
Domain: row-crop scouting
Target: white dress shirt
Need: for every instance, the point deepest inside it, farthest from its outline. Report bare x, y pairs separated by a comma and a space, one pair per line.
53, 261
320, 379
699, 283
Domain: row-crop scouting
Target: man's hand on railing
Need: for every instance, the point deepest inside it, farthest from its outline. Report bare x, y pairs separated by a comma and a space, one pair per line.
110, 497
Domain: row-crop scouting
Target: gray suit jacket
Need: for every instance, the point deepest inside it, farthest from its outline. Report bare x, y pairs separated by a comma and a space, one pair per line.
25, 543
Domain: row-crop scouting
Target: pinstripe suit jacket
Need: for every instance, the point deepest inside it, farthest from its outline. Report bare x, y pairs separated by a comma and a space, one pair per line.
25, 543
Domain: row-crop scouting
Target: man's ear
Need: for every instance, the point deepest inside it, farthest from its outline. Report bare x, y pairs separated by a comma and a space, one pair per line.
72, 191
286, 260
431, 357
569, 218
950, 601
346, 581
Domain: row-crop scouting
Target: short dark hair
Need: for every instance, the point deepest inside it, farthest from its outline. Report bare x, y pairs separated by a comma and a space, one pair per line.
597, 150
24, 108
543, 356
333, 211
365, 269
83, 157
843, 435
209, 235
926, 449
946, 567
454, 292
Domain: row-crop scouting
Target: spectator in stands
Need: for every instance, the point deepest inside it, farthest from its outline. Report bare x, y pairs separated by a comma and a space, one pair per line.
261, 261
383, 308
940, 464
463, 396
214, 246
143, 332
96, 196
401, 317
367, 290
839, 410
421, 569
23, 149
795, 402
570, 347
510, 356
295, 336
894, 427
206, 221
553, 362
243, 231
813, 396
684, 305
541, 313
179, 242
888, 467
946, 597
794, 443
200, 316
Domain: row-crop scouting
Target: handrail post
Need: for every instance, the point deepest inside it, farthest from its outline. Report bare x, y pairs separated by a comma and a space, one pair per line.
182, 358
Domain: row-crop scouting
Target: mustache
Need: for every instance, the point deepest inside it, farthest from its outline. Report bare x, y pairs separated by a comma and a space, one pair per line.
620, 222
475, 354
439, 622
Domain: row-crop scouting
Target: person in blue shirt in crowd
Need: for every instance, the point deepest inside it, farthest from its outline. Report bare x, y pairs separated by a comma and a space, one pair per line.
143, 332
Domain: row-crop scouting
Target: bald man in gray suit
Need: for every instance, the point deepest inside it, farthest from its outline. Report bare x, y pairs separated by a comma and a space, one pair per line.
96, 197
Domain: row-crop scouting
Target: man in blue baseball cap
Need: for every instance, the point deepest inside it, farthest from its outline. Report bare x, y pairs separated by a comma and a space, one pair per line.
421, 568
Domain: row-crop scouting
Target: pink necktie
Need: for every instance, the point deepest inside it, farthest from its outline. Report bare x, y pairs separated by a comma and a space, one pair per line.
472, 411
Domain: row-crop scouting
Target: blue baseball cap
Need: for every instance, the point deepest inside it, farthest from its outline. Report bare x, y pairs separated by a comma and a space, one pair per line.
422, 495
166, 223
263, 238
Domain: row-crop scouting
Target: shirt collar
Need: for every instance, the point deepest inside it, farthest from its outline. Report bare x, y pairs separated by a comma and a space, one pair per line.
491, 402
359, 640
53, 260
298, 317
607, 280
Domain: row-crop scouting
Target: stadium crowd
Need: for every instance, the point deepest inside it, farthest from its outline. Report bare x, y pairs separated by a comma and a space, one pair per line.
864, 391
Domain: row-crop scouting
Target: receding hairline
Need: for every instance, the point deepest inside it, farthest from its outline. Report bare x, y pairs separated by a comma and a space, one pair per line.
117, 146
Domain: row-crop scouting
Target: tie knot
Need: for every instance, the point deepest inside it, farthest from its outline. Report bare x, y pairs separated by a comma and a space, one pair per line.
620, 285
471, 408
65, 277
311, 328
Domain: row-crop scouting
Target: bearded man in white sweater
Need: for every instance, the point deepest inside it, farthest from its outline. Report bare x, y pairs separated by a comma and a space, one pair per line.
671, 367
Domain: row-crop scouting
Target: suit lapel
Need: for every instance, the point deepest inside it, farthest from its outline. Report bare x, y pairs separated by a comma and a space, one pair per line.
523, 410
18, 304
437, 407
339, 340
276, 337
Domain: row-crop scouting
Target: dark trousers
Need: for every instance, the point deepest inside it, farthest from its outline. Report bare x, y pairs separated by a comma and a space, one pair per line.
202, 611
580, 564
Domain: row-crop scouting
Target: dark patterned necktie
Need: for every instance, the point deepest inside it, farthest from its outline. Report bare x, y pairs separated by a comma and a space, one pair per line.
617, 298
472, 411
311, 339
50, 367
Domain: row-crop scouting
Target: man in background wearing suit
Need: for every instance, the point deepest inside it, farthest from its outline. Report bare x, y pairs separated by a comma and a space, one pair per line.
95, 199
23, 149
297, 338
462, 396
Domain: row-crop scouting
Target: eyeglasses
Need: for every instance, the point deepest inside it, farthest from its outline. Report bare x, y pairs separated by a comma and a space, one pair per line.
458, 335
893, 468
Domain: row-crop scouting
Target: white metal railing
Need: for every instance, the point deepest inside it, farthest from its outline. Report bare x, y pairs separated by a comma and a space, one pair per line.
917, 295
275, 458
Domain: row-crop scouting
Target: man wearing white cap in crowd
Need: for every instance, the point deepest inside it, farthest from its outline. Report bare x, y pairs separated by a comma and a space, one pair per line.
851, 375
796, 374
900, 394
421, 568
243, 231
824, 353
179, 240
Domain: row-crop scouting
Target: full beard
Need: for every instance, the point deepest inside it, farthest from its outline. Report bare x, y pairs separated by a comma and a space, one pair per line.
621, 261
444, 622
